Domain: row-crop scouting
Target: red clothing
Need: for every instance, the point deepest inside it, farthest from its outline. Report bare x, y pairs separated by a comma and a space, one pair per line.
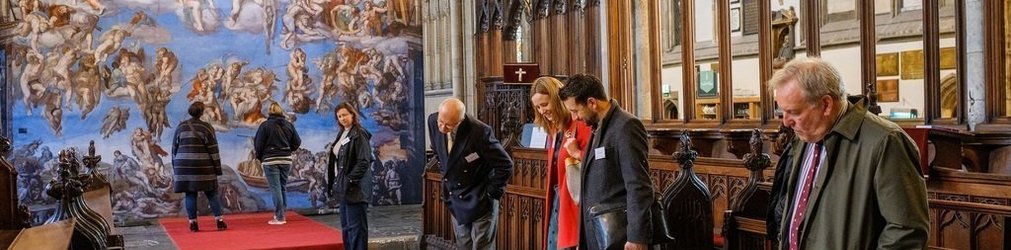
568, 209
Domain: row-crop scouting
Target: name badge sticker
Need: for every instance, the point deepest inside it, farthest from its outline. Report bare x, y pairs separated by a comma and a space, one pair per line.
471, 157
345, 141
599, 153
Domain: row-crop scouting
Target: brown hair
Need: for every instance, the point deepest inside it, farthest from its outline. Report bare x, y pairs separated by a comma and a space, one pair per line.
550, 86
275, 109
351, 109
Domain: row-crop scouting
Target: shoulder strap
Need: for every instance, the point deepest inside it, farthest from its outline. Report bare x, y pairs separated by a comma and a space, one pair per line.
193, 131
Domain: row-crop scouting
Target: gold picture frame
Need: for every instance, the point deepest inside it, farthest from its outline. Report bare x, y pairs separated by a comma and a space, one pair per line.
912, 64
888, 90
948, 58
887, 64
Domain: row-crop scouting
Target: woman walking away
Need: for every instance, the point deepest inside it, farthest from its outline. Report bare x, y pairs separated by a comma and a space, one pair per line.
348, 170
275, 140
197, 165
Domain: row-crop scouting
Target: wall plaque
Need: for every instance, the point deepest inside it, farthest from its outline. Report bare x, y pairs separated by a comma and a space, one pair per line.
912, 64
888, 90
887, 64
948, 58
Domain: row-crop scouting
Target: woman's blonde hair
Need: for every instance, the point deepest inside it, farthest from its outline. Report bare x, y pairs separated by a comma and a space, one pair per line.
550, 86
275, 109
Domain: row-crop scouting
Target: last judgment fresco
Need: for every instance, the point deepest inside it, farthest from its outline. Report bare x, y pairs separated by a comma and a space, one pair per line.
123, 72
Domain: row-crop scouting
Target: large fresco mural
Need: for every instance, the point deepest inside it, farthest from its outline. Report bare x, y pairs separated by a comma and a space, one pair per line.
123, 72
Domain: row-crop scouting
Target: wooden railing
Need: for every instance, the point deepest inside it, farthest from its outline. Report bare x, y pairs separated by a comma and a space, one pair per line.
968, 210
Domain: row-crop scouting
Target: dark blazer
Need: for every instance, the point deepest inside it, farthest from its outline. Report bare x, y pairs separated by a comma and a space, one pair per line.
276, 137
475, 172
353, 181
619, 178
195, 160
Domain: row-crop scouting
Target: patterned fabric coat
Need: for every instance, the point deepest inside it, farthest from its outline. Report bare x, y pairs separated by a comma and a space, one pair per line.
195, 160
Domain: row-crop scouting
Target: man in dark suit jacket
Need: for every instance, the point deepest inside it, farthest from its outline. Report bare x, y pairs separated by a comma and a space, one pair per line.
615, 173
475, 169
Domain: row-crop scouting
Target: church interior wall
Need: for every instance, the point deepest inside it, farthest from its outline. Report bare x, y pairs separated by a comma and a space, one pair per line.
130, 87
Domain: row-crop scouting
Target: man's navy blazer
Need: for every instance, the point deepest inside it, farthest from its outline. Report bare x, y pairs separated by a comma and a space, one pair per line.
474, 172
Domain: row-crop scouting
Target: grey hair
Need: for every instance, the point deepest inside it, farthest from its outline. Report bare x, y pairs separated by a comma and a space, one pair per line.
814, 76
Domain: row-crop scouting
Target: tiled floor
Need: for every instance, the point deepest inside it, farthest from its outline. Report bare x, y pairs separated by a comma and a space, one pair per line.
390, 227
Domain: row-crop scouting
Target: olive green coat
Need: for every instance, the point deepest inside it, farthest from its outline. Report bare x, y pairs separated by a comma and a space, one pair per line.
869, 193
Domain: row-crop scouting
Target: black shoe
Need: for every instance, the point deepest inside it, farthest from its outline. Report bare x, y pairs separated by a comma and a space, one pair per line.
222, 225
194, 227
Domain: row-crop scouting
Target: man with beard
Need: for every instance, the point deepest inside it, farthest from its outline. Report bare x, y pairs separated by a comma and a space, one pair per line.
616, 179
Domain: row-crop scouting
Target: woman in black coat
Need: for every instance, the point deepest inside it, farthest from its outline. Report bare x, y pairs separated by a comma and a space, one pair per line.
197, 165
348, 177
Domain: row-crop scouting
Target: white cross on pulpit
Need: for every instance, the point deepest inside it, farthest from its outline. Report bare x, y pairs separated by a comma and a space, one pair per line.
519, 74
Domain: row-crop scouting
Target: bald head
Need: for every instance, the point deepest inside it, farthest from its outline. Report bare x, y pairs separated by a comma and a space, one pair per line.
451, 113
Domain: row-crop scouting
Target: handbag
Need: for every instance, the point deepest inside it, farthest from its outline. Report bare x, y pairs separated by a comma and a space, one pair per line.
611, 224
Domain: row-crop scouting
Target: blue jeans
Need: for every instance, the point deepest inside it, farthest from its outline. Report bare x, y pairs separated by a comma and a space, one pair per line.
354, 225
553, 222
191, 203
277, 179
479, 234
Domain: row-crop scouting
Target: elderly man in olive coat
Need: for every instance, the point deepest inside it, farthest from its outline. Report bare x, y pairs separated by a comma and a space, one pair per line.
855, 181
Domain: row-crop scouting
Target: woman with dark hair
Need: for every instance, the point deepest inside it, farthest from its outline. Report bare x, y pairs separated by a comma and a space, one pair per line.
348, 176
197, 165
566, 139
275, 140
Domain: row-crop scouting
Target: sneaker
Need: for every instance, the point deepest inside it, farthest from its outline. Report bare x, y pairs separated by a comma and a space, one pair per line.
194, 227
222, 225
276, 222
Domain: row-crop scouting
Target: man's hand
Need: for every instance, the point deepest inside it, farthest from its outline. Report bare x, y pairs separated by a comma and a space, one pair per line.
635, 246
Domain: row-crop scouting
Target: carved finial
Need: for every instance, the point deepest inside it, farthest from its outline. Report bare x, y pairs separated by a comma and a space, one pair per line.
579, 5
496, 17
91, 160
783, 139
756, 160
5, 146
560, 7
686, 156
543, 8
872, 99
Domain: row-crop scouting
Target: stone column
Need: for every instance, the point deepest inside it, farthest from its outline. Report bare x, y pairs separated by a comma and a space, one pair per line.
975, 83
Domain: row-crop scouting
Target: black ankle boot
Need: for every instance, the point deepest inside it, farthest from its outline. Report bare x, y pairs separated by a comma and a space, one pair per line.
194, 227
222, 225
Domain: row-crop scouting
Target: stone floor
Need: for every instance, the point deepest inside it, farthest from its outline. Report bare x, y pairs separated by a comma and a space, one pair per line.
390, 227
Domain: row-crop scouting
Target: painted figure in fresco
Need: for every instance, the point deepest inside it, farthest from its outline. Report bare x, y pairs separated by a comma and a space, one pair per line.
135, 76
296, 94
28, 6
32, 27
199, 80
32, 87
54, 111
62, 71
115, 120
87, 85
154, 112
269, 21
110, 41
298, 24
327, 90
231, 78
193, 12
130, 172
96, 5
373, 19
344, 20
165, 64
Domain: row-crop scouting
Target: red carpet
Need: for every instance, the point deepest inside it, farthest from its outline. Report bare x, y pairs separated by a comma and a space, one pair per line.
251, 231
